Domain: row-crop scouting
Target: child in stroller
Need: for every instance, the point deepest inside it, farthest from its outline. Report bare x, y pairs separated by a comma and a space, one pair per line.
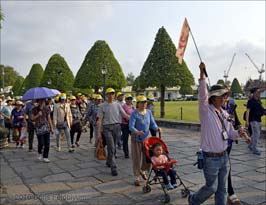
162, 166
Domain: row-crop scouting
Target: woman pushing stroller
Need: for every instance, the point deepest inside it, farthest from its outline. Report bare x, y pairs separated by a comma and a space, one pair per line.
141, 120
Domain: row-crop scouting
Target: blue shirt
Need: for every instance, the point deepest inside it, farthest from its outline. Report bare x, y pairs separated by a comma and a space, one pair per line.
143, 123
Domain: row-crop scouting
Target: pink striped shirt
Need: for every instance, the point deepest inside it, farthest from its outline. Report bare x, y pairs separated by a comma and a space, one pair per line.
211, 126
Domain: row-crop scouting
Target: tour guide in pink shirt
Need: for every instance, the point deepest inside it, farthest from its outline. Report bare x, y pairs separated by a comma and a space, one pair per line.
215, 130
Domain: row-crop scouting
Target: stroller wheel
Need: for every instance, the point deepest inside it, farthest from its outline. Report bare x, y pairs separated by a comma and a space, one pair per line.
185, 193
146, 189
165, 199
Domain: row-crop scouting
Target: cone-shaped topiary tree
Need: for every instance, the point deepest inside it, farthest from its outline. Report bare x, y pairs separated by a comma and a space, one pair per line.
235, 87
161, 69
90, 72
221, 82
34, 77
57, 74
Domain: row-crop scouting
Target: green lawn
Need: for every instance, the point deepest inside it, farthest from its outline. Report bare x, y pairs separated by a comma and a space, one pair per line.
190, 110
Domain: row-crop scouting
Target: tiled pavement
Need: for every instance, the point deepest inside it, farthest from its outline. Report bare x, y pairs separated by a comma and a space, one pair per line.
78, 178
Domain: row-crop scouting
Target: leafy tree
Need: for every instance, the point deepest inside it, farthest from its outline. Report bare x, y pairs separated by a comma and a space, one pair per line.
236, 88
1, 17
17, 90
161, 68
34, 77
130, 78
221, 82
90, 72
10, 75
57, 74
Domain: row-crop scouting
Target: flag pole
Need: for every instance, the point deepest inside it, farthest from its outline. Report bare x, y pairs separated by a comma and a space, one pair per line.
205, 72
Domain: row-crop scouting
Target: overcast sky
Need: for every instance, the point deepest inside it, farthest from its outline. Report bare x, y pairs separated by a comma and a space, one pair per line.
33, 31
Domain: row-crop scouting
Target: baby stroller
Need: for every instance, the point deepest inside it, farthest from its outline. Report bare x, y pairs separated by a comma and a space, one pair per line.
154, 177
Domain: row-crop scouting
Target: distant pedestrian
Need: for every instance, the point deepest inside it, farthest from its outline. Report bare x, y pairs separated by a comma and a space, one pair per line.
76, 122
19, 124
120, 100
151, 107
6, 113
129, 108
109, 119
141, 120
63, 121
253, 118
92, 116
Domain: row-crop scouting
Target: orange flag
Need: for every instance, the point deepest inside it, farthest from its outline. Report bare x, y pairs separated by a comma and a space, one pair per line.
182, 42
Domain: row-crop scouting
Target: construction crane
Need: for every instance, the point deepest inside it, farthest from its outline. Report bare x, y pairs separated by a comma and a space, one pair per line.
226, 73
259, 70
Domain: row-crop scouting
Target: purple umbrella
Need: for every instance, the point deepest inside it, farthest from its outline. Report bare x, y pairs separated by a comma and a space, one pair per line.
38, 93
56, 92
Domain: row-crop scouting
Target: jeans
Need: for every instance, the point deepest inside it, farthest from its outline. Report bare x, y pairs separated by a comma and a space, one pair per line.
230, 186
67, 135
44, 144
91, 130
256, 129
30, 129
215, 173
125, 135
111, 133
171, 173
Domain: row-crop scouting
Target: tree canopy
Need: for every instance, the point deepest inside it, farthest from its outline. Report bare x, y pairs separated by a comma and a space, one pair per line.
57, 74
17, 86
221, 82
235, 87
10, 75
34, 77
90, 72
1, 17
161, 68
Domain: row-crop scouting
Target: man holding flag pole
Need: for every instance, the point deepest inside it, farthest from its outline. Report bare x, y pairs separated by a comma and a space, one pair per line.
215, 131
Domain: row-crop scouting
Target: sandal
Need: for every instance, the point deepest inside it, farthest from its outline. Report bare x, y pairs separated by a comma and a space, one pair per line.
233, 200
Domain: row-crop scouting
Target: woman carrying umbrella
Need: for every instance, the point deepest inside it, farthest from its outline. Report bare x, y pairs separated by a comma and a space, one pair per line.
43, 127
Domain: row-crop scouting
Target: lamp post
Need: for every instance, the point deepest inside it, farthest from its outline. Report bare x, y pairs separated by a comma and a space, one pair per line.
104, 70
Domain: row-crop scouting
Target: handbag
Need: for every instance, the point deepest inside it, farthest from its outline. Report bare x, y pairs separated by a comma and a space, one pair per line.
100, 151
42, 129
61, 125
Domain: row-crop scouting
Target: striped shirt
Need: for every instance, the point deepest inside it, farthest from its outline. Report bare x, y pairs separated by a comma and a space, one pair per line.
211, 126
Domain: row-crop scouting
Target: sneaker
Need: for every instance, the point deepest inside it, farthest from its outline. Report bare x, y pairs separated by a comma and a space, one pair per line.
72, 146
17, 145
256, 152
58, 149
40, 157
175, 186
114, 172
71, 151
77, 144
46, 160
169, 186
127, 156
233, 200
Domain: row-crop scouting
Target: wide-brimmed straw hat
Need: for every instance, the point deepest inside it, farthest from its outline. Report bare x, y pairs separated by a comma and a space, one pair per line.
218, 90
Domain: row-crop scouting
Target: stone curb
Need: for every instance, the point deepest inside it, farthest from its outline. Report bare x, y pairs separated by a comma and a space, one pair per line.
195, 126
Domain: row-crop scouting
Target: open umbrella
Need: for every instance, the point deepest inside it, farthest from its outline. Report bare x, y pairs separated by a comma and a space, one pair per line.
38, 93
56, 92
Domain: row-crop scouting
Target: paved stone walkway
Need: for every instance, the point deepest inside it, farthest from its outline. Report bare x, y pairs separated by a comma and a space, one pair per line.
78, 178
